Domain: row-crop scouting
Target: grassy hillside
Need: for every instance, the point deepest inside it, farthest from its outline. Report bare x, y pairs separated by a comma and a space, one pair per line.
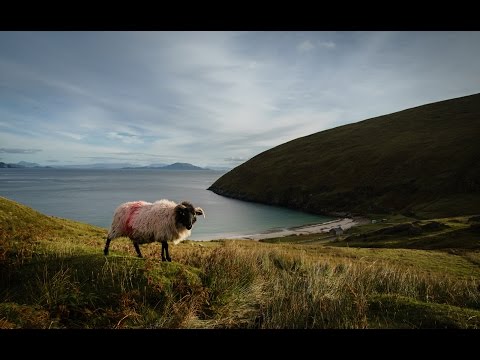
423, 161
53, 275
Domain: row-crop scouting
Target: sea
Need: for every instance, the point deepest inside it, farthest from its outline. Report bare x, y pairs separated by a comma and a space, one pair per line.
91, 196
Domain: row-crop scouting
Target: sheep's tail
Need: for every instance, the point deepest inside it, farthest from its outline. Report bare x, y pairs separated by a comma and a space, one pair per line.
200, 211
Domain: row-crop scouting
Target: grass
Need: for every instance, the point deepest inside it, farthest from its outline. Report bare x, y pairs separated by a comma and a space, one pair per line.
387, 311
54, 276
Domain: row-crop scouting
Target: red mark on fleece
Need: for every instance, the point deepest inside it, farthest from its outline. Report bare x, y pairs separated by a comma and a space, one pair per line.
132, 211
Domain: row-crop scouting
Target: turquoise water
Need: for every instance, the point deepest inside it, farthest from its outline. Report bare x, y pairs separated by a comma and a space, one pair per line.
91, 196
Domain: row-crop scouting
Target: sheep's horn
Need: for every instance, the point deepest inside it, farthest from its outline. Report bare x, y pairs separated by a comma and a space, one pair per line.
199, 211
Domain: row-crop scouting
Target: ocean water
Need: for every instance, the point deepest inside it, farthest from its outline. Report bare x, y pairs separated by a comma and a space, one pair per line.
91, 196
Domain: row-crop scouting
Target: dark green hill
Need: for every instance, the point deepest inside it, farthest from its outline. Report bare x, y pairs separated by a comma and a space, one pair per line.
423, 161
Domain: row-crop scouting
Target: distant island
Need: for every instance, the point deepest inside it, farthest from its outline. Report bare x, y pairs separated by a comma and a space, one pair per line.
21, 164
5, 165
174, 166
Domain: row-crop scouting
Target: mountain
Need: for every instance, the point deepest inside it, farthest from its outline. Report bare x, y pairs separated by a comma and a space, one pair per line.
28, 164
175, 166
423, 161
7, 165
97, 166
21, 164
182, 166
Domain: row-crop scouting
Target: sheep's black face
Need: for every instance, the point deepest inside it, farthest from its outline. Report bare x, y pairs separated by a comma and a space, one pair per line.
185, 215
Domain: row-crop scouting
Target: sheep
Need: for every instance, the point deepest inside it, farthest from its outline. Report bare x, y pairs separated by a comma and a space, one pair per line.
145, 222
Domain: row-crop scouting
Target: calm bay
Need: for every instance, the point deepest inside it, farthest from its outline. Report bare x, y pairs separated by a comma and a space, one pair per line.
91, 196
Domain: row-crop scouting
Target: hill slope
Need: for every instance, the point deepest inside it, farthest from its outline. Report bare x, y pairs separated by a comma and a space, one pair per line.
423, 160
53, 274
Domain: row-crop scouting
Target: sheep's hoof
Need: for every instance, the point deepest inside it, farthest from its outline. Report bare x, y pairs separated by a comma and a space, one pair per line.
105, 252
169, 260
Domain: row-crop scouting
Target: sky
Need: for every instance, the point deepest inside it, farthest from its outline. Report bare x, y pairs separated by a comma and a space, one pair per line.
211, 98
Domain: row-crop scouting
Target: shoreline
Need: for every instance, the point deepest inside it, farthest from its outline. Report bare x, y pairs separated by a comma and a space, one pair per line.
344, 223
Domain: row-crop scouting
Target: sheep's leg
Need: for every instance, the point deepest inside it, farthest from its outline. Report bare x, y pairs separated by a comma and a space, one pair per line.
107, 245
165, 249
137, 249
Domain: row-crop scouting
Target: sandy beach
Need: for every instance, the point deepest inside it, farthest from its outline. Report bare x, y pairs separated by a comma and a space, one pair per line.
345, 223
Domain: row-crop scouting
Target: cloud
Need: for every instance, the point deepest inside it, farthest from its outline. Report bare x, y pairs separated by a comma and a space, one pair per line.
103, 158
70, 135
305, 46
125, 137
124, 153
326, 44
235, 160
206, 97
19, 151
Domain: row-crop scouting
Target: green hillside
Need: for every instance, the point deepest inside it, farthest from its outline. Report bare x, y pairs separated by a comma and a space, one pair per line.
423, 162
53, 275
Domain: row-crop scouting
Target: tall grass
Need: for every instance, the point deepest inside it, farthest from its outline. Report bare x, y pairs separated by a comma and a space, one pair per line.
232, 285
270, 288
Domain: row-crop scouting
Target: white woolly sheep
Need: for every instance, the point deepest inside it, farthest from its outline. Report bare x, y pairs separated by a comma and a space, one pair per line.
161, 221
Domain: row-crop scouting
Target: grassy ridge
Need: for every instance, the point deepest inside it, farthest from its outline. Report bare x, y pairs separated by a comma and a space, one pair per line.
421, 161
54, 275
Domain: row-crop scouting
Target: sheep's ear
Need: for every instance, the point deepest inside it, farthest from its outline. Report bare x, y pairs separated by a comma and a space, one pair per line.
199, 211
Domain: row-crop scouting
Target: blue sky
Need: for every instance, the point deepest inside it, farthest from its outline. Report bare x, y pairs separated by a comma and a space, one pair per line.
211, 98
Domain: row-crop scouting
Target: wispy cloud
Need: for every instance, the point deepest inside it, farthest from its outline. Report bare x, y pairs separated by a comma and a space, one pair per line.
235, 160
326, 44
305, 46
19, 151
70, 135
125, 137
212, 97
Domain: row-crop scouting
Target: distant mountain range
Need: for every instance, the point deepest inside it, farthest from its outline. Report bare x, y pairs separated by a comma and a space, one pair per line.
95, 166
175, 166
21, 164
